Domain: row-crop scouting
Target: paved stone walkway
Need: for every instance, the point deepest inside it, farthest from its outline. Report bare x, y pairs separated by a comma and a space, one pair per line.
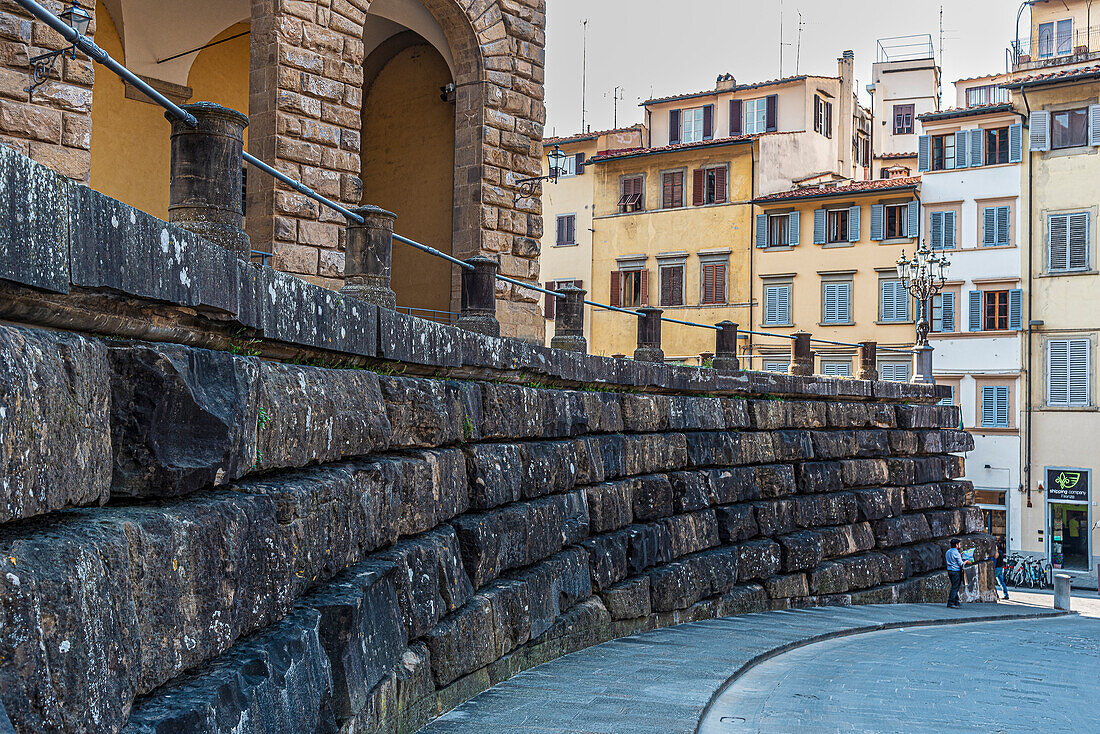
1017, 676
660, 682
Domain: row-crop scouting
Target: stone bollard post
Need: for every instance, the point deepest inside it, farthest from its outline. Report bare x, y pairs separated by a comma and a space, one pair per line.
802, 359
649, 336
479, 297
725, 347
1062, 591
569, 320
705, 357
868, 361
207, 176
922, 365
369, 256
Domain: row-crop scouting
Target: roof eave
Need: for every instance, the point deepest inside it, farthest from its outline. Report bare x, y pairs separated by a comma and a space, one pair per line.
837, 194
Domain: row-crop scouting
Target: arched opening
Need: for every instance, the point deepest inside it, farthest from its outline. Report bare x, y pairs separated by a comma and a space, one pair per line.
418, 148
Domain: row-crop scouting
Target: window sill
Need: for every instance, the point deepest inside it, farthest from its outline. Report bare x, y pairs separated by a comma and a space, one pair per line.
777, 326
898, 241
566, 244
994, 430
1069, 409
826, 324
1066, 273
777, 248
831, 245
894, 323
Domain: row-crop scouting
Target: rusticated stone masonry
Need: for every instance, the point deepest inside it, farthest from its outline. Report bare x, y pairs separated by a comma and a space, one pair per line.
55, 127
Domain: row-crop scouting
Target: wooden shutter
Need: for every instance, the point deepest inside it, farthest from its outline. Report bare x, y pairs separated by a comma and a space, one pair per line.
977, 146
854, 230
975, 311
1040, 132
878, 222
735, 118
913, 230
949, 230
1016, 143
817, 114
962, 150
1094, 124
708, 122
924, 153
1003, 228
1078, 376
699, 185
616, 288
761, 230
1058, 242
936, 234
989, 406
819, 226
674, 127
1079, 241
708, 284
793, 223
667, 197
644, 280
721, 185
989, 226
947, 312
1016, 309
677, 286
785, 304
550, 310
887, 304
829, 119
771, 113
580, 163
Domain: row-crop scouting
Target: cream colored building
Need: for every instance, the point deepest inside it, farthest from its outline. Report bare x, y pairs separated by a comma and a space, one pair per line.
905, 85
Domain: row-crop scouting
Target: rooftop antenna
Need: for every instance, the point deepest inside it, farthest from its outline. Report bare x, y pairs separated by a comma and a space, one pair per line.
798, 52
617, 94
584, 73
941, 36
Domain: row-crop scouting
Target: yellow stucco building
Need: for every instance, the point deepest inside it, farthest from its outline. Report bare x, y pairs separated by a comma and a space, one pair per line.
826, 264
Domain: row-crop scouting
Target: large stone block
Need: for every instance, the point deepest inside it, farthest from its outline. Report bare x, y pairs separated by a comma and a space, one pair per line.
923, 497
590, 463
791, 586
736, 523
791, 445
774, 517
654, 453
743, 599
430, 485
629, 599
879, 503
182, 419
828, 577
465, 641
313, 415
691, 533
837, 508
55, 429
676, 585
758, 559
864, 472
861, 415
610, 505
431, 581
547, 467
607, 558
731, 485
945, 523
774, 480
645, 413
690, 491
511, 537
34, 237
835, 444
771, 415
495, 474
576, 525
652, 497
650, 545
845, 540
820, 476
904, 530
927, 416
428, 413
555, 586
801, 550
695, 413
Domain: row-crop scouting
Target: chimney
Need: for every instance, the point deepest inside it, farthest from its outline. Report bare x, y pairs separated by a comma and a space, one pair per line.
726, 83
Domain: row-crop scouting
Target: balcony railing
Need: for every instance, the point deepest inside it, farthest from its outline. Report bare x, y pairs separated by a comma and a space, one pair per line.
1054, 48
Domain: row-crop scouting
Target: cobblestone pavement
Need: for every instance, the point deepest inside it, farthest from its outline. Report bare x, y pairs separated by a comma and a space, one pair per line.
660, 682
1036, 675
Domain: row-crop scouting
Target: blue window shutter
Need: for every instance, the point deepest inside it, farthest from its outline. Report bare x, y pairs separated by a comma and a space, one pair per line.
1078, 376
914, 220
819, 226
989, 406
785, 304
886, 300
1058, 242
924, 153
948, 312
1040, 135
962, 137
853, 224
949, 230
977, 147
793, 226
844, 311
761, 230
1058, 376
1016, 309
936, 235
989, 226
1078, 241
1094, 124
1003, 213
877, 221
902, 297
1001, 403
975, 311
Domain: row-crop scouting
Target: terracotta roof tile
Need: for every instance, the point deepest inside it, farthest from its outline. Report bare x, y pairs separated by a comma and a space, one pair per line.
609, 154
893, 156
1053, 77
738, 88
978, 109
578, 137
856, 187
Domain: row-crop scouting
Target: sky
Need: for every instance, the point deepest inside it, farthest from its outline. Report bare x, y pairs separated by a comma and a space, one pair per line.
652, 48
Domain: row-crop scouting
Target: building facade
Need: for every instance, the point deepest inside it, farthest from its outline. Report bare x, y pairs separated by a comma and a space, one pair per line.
905, 85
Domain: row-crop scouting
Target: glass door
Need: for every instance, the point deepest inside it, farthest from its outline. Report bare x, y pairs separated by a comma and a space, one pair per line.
1069, 537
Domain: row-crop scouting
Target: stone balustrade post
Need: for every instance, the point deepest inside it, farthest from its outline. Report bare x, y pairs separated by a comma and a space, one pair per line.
205, 194
649, 336
725, 348
569, 320
369, 256
479, 302
802, 358
922, 365
868, 361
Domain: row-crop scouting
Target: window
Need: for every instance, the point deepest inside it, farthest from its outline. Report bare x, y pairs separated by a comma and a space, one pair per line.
943, 230
996, 311
568, 167
836, 225
950, 399
672, 190
779, 367
714, 282
550, 308
692, 126
710, 186
823, 116
943, 313
777, 305
894, 371
1046, 40
986, 94
1069, 128
893, 301
567, 230
836, 369
779, 230
996, 226
1068, 242
633, 189
897, 218
996, 146
630, 288
995, 407
1056, 38
672, 285
756, 116
903, 119
1068, 372
943, 152
836, 302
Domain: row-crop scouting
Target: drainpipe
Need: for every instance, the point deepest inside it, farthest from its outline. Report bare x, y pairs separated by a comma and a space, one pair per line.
752, 241
1030, 280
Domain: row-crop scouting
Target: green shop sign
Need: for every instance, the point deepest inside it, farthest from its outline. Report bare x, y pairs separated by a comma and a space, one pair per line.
1068, 485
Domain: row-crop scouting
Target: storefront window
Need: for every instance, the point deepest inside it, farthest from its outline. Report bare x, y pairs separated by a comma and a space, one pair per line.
1069, 537
992, 503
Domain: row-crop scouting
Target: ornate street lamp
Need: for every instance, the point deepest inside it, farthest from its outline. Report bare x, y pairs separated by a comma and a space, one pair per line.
531, 187
924, 276
76, 18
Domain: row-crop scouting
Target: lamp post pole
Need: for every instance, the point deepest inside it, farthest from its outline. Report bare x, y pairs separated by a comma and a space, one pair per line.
924, 277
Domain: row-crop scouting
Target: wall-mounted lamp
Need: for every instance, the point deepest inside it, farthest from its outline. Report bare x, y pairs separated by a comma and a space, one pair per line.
447, 92
532, 187
76, 18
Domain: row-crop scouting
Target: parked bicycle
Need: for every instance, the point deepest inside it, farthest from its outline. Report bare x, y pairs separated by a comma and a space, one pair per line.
1027, 571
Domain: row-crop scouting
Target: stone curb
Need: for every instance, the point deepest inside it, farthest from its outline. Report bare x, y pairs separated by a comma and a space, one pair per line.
865, 629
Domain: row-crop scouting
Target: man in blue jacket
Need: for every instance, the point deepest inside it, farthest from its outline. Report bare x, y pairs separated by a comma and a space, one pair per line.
955, 565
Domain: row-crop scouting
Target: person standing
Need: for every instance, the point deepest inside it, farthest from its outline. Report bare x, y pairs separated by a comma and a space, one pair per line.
999, 569
954, 573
